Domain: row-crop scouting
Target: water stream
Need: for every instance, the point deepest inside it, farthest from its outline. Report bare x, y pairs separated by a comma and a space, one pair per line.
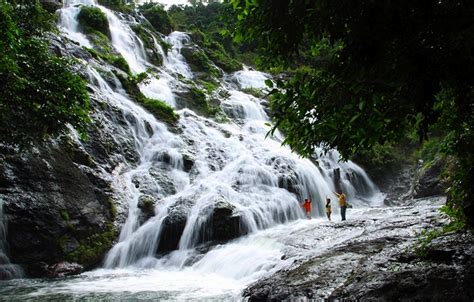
234, 166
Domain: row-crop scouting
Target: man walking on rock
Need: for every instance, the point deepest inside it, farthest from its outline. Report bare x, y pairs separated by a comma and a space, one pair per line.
342, 203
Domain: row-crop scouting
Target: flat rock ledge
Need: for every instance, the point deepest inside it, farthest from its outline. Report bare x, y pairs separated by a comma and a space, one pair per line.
380, 264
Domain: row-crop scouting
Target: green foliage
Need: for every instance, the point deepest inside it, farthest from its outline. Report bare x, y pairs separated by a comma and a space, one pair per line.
256, 92
65, 215
198, 61
146, 36
91, 249
118, 5
161, 110
157, 16
457, 223
209, 86
39, 93
215, 52
198, 99
207, 25
198, 102
158, 108
367, 85
103, 50
93, 19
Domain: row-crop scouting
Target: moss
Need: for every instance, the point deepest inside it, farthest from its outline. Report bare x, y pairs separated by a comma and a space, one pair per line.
65, 215
198, 101
209, 86
258, 93
456, 224
153, 54
100, 41
198, 61
221, 117
215, 51
158, 108
92, 249
119, 62
103, 50
112, 208
93, 19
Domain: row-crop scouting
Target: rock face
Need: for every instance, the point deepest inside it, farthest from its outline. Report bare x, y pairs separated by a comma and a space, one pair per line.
59, 202
379, 262
428, 181
52, 203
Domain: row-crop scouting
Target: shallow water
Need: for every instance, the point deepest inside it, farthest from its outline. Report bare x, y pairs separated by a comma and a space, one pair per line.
224, 271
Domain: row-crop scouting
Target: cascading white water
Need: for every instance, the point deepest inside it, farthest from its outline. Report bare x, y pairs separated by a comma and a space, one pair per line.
234, 165
7, 269
68, 22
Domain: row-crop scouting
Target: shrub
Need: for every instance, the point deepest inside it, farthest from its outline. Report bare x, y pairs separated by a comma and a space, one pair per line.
160, 110
158, 17
92, 18
118, 5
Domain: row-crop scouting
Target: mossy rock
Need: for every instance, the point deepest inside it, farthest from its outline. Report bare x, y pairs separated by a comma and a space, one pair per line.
146, 37
158, 108
92, 249
93, 19
198, 60
158, 17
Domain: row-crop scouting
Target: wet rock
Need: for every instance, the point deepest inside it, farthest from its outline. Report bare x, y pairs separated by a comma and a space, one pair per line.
146, 203
377, 265
173, 226
225, 222
48, 196
63, 269
188, 161
38, 269
287, 177
197, 59
51, 5
428, 181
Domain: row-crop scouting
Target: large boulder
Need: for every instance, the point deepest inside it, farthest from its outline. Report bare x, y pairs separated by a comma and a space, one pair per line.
55, 202
63, 269
428, 181
225, 222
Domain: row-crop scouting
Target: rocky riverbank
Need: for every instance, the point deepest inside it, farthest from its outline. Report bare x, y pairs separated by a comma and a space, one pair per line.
380, 261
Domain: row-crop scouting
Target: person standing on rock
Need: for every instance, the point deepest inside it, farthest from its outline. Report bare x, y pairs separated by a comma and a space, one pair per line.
342, 203
307, 206
328, 208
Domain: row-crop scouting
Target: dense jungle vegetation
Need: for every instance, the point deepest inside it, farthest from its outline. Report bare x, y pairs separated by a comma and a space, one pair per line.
39, 92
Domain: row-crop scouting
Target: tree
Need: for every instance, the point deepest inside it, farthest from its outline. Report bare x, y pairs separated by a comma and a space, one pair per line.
378, 69
39, 93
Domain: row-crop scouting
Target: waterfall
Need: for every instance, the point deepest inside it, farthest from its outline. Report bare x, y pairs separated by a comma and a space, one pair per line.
232, 168
7, 269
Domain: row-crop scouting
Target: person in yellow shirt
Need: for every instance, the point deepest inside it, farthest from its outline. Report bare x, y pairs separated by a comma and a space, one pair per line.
342, 203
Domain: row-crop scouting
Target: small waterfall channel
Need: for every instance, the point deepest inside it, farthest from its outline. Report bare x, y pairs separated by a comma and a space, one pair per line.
204, 172
7, 269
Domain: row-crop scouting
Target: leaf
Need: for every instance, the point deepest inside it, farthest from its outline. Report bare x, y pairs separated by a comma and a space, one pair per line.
269, 83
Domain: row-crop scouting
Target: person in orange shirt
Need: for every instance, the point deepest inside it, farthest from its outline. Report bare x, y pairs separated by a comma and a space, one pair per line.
307, 206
